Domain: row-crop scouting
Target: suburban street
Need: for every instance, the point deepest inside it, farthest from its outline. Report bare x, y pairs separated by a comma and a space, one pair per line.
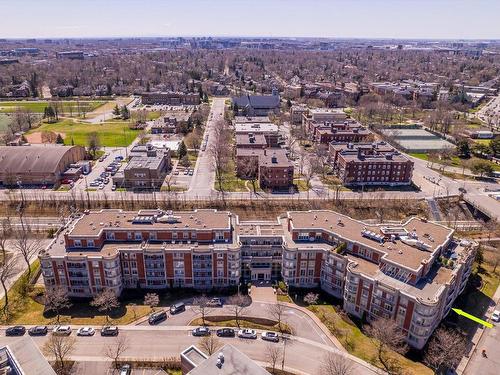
160, 342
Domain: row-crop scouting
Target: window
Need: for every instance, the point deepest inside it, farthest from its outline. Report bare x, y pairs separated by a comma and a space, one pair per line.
77, 243
90, 243
110, 235
138, 235
152, 235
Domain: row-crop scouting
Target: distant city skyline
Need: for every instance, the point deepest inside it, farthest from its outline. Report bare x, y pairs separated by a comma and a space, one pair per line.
378, 19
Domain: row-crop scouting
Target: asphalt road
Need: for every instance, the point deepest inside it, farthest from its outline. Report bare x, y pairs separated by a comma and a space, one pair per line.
302, 325
161, 342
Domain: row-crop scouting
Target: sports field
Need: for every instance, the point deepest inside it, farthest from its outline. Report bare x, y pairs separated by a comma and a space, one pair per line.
111, 133
67, 106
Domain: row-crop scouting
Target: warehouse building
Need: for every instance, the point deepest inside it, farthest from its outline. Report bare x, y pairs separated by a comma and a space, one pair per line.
37, 165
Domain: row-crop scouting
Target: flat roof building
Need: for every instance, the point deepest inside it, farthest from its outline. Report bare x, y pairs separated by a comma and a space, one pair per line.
410, 271
225, 361
370, 164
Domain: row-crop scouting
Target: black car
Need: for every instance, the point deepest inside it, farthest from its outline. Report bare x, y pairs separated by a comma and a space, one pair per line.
109, 331
15, 331
225, 332
157, 317
201, 331
38, 331
177, 308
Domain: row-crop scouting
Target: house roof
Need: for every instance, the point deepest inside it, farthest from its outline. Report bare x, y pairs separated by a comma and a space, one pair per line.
234, 362
257, 101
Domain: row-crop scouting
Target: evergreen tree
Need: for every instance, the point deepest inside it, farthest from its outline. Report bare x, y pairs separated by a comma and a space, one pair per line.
125, 113
116, 110
182, 150
59, 139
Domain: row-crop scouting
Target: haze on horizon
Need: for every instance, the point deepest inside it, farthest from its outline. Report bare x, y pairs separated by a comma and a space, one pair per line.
401, 19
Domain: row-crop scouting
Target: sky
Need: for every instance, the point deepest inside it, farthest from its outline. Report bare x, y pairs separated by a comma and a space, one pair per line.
412, 19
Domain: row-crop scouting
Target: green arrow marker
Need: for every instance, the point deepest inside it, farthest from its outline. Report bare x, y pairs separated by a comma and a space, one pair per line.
472, 317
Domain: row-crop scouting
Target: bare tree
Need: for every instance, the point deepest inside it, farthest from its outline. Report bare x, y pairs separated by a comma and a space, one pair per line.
115, 350
105, 301
250, 170
93, 143
152, 300
220, 151
56, 299
59, 347
387, 336
446, 349
273, 356
8, 269
26, 244
335, 364
201, 305
237, 304
5, 234
277, 311
311, 298
210, 344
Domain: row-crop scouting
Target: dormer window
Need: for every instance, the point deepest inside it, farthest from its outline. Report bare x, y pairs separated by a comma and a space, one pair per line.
90, 243
77, 243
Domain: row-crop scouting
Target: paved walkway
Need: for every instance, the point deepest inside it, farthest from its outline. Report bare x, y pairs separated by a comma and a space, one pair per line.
262, 293
486, 338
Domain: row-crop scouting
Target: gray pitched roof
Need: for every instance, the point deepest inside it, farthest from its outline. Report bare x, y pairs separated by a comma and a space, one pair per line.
26, 159
257, 101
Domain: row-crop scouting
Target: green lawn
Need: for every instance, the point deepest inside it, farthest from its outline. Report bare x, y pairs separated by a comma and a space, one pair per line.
4, 122
420, 156
111, 133
39, 106
357, 343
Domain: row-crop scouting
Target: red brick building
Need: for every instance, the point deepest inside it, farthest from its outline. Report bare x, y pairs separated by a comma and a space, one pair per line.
370, 164
396, 271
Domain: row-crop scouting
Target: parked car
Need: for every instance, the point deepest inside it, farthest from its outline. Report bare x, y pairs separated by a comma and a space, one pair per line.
176, 172
186, 172
215, 302
201, 331
157, 317
61, 331
113, 187
247, 333
495, 316
270, 336
109, 331
225, 332
126, 369
190, 172
85, 331
462, 190
177, 308
15, 331
38, 331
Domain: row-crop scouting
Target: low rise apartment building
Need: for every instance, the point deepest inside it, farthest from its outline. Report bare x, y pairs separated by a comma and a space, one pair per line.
410, 272
146, 169
170, 98
165, 125
275, 170
370, 164
297, 112
269, 130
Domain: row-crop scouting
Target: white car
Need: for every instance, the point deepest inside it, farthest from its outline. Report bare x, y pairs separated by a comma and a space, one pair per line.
61, 331
270, 336
495, 316
85, 331
247, 333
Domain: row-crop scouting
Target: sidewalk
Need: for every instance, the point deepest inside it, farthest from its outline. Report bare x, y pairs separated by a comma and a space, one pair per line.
478, 336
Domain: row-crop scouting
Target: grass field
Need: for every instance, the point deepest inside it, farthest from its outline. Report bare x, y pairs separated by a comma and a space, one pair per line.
358, 344
39, 106
4, 122
111, 133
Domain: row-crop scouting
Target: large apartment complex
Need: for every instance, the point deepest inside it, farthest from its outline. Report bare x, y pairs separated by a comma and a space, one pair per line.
376, 163
411, 272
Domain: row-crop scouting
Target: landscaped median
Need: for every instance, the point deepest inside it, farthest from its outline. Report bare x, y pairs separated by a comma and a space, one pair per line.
243, 322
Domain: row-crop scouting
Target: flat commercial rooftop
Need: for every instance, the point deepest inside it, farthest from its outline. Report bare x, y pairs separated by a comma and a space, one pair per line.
433, 235
93, 223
